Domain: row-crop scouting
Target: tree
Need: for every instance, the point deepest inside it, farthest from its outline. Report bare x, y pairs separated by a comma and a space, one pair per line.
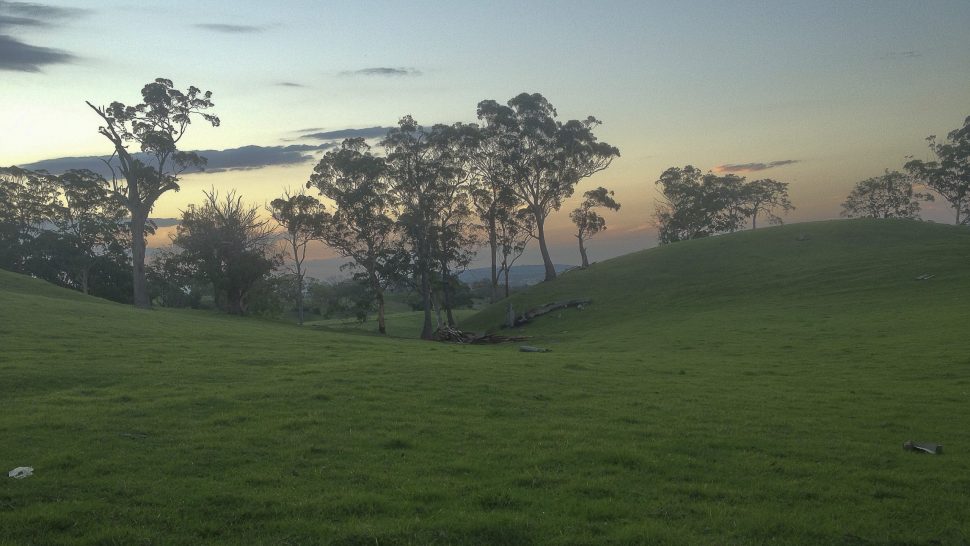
587, 220
696, 205
155, 126
226, 243
361, 226
28, 201
546, 158
302, 217
490, 170
455, 235
418, 170
888, 196
515, 229
764, 197
949, 175
92, 225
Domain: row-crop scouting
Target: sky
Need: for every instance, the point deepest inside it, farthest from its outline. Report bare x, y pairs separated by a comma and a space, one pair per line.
818, 94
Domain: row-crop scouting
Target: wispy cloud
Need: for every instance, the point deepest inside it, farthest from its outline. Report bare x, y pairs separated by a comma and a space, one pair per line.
231, 29
383, 71
752, 167
30, 14
289, 84
367, 132
22, 57
897, 55
17, 55
233, 159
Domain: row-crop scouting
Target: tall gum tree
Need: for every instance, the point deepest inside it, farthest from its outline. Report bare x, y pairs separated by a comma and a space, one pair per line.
361, 226
949, 175
546, 157
155, 126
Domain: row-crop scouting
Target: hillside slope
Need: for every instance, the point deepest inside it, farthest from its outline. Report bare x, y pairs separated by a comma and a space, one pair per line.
747, 389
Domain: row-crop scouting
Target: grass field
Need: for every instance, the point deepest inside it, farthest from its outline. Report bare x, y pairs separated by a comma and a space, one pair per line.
747, 389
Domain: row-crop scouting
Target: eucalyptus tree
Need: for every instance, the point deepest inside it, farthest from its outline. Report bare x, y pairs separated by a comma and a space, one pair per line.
455, 233
91, 224
302, 218
888, 196
154, 126
421, 172
546, 157
765, 196
28, 201
696, 204
490, 169
361, 226
515, 228
588, 221
949, 175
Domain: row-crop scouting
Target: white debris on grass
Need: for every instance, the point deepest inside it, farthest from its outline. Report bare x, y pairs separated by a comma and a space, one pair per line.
21, 472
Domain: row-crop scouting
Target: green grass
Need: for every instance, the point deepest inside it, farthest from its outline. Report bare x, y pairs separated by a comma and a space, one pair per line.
401, 324
747, 389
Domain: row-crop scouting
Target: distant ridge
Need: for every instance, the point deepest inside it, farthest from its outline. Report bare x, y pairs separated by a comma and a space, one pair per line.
521, 275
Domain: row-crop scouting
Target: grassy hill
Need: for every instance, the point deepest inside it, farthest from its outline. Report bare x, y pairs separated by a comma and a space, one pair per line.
752, 388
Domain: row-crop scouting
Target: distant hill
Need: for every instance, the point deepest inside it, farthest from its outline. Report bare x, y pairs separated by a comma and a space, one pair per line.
521, 275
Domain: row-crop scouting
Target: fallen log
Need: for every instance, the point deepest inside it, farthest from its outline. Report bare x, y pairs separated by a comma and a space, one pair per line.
454, 335
527, 317
927, 447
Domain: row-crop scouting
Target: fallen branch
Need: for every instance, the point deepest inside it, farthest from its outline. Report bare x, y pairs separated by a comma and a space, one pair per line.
454, 335
527, 317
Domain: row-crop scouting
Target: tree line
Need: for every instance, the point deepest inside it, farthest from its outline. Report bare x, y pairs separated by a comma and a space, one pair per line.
408, 214
411, 215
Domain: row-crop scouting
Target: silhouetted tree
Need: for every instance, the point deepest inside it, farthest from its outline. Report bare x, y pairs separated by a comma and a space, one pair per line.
418, 170
92, 226
361, 226
546, 158
515, 229
949, 175
490, 169
588, 221
226, 243
888, 196
764, 197
155, 126
28, 200
302, 218
695, 204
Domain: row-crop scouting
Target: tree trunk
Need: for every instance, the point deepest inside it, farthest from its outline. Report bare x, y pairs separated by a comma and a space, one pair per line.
582, 252
85, 273
381, 326
546, 260
493, 247
754, 220
139, 282
299, 294
426, 331
506, 283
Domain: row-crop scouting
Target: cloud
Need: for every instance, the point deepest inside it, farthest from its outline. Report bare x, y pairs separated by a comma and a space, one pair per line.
893, 55
230, 29
233, 159
368, 132
19, 56
30, 14
752, 167
383, 71
289, 84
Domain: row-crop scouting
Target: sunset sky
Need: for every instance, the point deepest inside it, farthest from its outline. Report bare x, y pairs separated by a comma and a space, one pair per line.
830, 92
